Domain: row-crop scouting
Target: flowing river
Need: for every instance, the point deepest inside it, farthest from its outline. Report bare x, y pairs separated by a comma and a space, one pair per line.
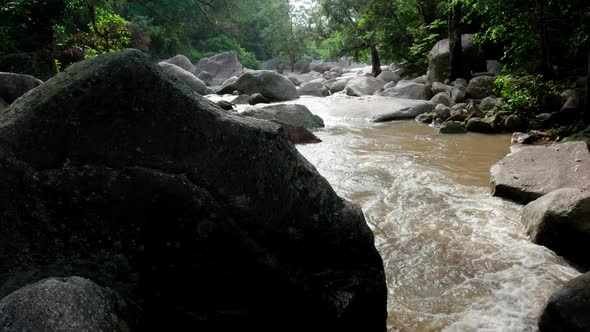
456, 258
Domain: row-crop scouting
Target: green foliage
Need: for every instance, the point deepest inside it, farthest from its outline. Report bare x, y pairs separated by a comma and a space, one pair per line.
109, 35
424, 37
527, 94
223, 43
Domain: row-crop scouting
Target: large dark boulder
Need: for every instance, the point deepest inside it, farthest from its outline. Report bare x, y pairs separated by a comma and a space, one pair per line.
293, 114
560, 221
221, 66
68, 305
568, 307
117, 172
273, 86
438, 59
528, 173
14, 85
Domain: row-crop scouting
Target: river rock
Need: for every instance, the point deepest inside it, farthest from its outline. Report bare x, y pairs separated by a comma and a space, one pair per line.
438, 87
302, 67
241, 100
490, 103
314, 88
206, 77
452, 127
427, 118
273, 86
14, 85
338, 85
298, 134
320, 67
293, 114
225, 105
65, 304
560, 221
480, 87
438, 58
442, 112
117, 172
182, 62
228, 86
409, 91
568, 307
528, 173
389, 76
221, 66
405, 113
187, 77
494, 66
460, 82
272, 64
479, 125
364, 86
516, 122
258, 98
458, 94
441, 98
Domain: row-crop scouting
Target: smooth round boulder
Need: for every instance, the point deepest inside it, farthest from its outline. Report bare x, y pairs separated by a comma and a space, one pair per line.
560, 221
409, 91
66, 304
442, 112
441, 98
273, 86
293, 114
187, 77
389, 76
206, 77
302, 67
516, 122
221, 66
12, 85
258, 98
314, 88
427, 118
228, 86
405, 113
438, 58
182, 62
480, 87
451, 127
479, 125
490, 103
364, 86
568, 307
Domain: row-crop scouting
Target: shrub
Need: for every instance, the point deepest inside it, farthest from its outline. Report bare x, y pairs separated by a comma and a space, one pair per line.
528, 94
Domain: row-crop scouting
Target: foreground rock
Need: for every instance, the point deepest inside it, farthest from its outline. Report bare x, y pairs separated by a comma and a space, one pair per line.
531, 172
13, 85
185, 76
221, 67
567, 308
207, 220
271, 85
560, 221
296, 115
364, 86
65, 304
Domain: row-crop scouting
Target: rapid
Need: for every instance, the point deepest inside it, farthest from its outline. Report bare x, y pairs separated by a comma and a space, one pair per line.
456, 258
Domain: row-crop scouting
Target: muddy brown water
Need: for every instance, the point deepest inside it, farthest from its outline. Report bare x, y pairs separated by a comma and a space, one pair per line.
456, 258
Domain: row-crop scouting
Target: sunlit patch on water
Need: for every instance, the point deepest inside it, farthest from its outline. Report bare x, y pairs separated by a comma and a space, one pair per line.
456, 258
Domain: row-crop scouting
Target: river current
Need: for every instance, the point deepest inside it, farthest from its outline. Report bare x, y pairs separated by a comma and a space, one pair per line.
456, 258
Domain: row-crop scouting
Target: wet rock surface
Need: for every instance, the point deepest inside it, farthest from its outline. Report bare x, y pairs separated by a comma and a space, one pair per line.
528, 173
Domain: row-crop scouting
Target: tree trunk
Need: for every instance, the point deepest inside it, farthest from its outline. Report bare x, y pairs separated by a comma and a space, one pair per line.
455, 44
375, 61
587, 95
547, 69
